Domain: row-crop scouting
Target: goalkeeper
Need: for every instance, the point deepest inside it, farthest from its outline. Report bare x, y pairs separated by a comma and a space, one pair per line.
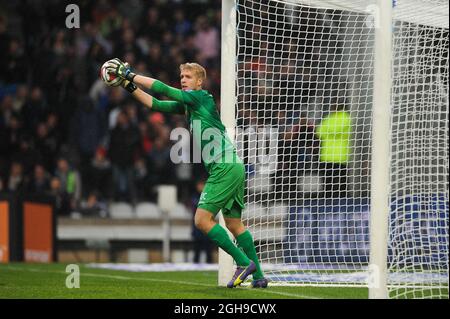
224, 189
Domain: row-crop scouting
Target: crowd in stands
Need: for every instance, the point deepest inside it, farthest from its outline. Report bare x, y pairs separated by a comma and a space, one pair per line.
62, 131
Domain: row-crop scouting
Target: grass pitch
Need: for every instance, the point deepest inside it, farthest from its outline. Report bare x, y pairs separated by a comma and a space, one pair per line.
48, 281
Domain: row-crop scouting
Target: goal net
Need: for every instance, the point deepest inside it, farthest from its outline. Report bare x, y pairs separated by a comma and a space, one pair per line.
304, 100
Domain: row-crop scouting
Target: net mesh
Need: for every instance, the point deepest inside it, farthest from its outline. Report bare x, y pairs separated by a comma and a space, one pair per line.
303, 128
418, 234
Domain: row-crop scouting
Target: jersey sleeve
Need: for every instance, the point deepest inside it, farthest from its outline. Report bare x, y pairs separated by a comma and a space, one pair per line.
184, 97
168, 106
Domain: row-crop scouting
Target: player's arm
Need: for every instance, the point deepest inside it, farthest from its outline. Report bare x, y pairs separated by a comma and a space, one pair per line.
151, 102
123, 70
163, 89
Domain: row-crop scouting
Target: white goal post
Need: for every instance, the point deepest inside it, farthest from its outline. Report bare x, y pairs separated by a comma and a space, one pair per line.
227, 102
382, 84
339, 109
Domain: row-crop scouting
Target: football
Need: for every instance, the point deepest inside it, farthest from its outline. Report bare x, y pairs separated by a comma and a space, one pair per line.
108, 78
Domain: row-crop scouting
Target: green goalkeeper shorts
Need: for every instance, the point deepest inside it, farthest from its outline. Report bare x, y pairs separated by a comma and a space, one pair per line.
224, 190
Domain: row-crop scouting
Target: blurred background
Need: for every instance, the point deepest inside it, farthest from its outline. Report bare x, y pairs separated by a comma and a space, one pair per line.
57, 117
64, 134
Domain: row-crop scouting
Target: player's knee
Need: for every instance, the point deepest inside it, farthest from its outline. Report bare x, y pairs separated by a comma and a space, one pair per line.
201, 223
198, 222
230, 227
235, 227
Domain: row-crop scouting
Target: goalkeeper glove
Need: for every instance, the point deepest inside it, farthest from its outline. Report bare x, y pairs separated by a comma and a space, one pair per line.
120, 69
127, 84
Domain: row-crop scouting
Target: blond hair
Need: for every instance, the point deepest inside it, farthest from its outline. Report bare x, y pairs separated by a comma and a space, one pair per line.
196, 68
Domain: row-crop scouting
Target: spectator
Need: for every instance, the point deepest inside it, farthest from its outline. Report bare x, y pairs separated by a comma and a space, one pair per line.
16, 180
309, 143
206, 42
114, 106
131, 9
189, 49
334, 132
96, 55
46, 145
161, 166
35, 110
20, 98
108, 18
167, 43
145, 139
299, 156
5, 38
40, 117
142, 180
63, 205
40, 182
152, 24
88, 131
70, 180
124, 144
13, 133
54, 129
182, 26
93, 206
16, 63
158, 126
127, 43
67, 87
26, 154
100, 174
132, 113
6, 109
155, 58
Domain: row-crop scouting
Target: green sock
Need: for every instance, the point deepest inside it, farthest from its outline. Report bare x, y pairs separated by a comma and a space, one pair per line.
245, 241
219, 235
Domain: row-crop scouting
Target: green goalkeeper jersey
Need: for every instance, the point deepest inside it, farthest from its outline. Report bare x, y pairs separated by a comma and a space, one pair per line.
211, 142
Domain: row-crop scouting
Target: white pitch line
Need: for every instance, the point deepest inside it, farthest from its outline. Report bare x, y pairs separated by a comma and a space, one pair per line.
146, 279
263, 290
193, 283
